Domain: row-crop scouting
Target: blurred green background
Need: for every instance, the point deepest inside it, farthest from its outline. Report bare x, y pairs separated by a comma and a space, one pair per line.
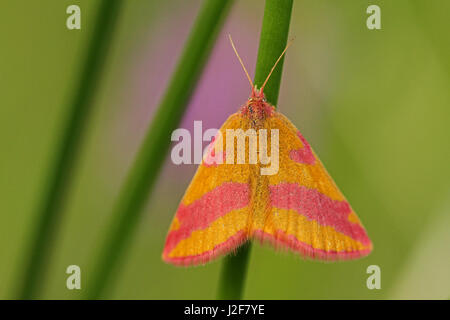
374, 104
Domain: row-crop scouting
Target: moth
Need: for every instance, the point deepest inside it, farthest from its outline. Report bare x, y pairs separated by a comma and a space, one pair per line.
231, 200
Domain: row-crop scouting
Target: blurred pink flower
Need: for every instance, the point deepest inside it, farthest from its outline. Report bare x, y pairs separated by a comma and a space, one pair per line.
221, 90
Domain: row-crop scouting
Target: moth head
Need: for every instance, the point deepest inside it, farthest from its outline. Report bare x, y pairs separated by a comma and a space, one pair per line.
257, 108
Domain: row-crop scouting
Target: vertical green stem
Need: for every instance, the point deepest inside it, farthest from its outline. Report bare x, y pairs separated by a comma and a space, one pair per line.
273, 40
153, 150
50, 210
233, 274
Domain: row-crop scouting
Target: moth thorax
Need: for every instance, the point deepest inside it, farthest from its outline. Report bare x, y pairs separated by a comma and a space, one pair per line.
257, 110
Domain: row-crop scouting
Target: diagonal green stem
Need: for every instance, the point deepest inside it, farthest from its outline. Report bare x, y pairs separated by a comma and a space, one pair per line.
273, 40
153, 150
50, 210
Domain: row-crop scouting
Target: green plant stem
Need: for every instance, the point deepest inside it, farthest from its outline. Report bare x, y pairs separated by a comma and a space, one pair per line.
233, 274
142, 176
273, 40
50, 210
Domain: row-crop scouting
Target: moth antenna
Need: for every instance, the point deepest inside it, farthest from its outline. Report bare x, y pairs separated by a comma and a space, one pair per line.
278, 60
240, 60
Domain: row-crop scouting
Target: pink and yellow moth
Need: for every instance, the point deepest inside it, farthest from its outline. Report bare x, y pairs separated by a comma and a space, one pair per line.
299, 208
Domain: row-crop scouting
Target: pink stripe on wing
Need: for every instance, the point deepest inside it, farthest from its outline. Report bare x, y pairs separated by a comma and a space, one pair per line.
211, 206
231, 243
317, 206
281, 240
303, 155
